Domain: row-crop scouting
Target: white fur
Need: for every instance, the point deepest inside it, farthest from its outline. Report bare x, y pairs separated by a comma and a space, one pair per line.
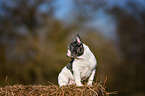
68, 53
83, 67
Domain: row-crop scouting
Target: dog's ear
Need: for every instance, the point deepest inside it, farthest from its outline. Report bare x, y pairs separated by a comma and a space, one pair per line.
78, 39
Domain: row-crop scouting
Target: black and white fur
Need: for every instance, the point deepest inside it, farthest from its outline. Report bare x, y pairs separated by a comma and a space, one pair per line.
82, 65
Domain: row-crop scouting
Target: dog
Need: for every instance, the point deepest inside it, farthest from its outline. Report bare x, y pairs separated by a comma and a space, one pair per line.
81, 67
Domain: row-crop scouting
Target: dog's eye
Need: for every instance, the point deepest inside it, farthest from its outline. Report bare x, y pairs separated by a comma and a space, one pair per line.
78, 43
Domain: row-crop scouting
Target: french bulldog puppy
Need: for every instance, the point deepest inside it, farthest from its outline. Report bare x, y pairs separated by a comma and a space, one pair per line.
82, 65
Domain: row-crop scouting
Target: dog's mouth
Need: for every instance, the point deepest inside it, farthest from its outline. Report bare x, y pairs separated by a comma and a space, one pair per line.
72, 57
69, 55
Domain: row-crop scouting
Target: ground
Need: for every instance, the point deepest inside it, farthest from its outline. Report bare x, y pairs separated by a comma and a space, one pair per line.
97, 89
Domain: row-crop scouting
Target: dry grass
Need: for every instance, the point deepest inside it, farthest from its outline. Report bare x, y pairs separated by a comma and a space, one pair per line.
53, 90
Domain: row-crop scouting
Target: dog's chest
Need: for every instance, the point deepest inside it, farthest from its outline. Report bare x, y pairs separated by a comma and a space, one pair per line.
84, 67
85, 72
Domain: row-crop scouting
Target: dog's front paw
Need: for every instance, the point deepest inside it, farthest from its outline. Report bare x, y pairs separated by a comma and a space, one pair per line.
89, 83
79, 84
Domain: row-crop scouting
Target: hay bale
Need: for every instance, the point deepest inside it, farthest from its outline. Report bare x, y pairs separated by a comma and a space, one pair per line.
54, 90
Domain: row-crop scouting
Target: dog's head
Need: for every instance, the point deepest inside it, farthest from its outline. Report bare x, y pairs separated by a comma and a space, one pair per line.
75, 48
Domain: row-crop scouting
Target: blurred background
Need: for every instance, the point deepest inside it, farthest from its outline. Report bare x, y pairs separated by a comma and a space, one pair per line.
34, 35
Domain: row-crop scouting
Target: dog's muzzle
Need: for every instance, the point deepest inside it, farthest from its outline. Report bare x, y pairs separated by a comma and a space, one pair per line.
68, 54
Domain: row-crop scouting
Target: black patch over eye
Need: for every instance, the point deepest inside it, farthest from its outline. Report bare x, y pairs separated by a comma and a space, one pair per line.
80, 50
76, 49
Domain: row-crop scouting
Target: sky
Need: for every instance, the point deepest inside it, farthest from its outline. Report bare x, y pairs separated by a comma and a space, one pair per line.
65, 7
106, 24
101, 21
